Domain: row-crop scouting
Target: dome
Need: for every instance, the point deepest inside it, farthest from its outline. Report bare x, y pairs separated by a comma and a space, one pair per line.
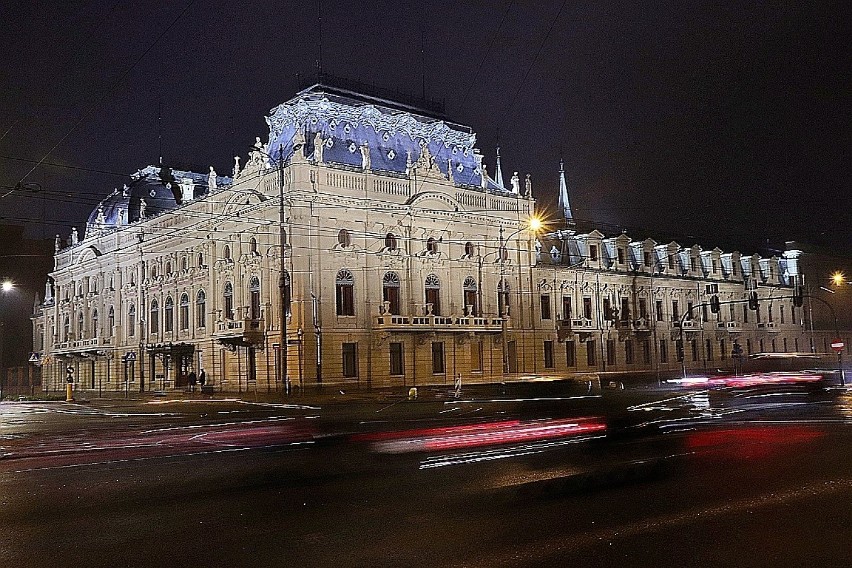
153, 190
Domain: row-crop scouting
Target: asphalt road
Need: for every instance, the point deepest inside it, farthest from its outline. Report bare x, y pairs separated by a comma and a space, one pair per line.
539, 477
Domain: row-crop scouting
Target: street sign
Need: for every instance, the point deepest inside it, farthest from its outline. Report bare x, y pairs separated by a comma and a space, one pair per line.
838, 345
130, 356
34, 357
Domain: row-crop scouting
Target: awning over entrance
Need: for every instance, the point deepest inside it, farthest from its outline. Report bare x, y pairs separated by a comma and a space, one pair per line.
174, 350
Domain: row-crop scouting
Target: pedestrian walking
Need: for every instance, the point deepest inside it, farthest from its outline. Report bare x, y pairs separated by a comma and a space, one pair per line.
202, 378
192, 380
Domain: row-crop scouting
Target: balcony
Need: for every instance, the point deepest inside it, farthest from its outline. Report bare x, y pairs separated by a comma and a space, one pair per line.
734, 326
690, 325
83, 345
243, 332
581, 323
387, 322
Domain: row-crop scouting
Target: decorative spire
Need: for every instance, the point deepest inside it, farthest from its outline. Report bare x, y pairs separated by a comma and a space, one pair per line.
498, 173
564, 205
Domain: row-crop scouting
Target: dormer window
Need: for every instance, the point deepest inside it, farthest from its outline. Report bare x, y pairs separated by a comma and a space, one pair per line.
390, 241
431, 246
593, 252
646, 257
693, 264
621, 256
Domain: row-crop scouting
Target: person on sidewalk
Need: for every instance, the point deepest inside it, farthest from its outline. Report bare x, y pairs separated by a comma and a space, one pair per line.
202, 379
192, 380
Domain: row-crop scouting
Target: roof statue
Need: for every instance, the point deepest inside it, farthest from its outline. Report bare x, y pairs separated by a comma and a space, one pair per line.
143, 208
57, 244
516, 184
74, 236
318, 146
528, 186
564, 206
498, 173
236, 171
212, 184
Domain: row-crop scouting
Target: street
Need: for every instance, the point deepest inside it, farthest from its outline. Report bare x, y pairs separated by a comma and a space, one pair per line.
544, 475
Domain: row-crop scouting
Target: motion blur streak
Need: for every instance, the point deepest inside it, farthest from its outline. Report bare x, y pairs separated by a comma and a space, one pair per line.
752, 441
485, 434
755, 380
500, 453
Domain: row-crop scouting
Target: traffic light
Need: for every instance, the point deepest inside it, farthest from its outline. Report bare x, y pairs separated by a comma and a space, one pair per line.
715, 305
752, 301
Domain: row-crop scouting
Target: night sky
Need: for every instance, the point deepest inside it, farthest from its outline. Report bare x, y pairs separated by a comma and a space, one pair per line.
715, 123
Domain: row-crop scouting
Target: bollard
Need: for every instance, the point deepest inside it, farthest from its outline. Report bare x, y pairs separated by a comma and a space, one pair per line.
69, 396
412, 393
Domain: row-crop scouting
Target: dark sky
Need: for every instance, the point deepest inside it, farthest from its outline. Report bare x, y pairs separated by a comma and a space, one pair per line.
717, 123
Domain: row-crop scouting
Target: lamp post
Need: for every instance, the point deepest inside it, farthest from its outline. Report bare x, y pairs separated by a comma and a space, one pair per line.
6, 288
533, 225
283, 276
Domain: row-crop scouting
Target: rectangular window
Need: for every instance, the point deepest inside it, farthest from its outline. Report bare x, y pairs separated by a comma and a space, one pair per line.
694, 345
733, 312
704, 316
659, 310
548, 354
675, 311
350, 359
748, 346
545, 307
438, 357
693, 264
769, 313
591, 361
570, 353
793, 314
607, 309
593, 252
628, 352
796, 344
785, 345
625, 310
643, 309
664, 351
646, 352
709, 349
566, 307
610, 351
587, 308
397, 360
345, 300
647, 258
621, 256
781, 314
476, 356
723, 349
745, 314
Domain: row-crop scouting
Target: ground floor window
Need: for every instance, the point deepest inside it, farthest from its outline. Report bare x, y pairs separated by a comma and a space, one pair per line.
646, 352
548, 354
628, 351
397, 362
591, 361
350, 359
610, 352
438, 357
570, 354
476, 356
664, 351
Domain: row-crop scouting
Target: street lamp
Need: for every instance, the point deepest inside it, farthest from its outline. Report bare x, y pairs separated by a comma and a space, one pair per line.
6, 287
533, 225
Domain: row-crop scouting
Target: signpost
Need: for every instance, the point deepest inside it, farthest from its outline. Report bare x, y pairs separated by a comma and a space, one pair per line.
837, 345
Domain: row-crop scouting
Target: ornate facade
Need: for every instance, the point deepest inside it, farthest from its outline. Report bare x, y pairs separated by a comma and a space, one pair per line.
373, 239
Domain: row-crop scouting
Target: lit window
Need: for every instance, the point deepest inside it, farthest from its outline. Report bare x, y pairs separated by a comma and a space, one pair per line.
470, 290
431, 246
254, 296
468, 249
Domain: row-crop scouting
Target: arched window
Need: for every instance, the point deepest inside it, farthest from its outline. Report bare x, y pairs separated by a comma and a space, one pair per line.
169, 316
285, 291
66, 329
390, 241
431, 246
503, 298
344, 238
200, 309
226, 252
111, 283
153, 271
468, 249
253, 245
184, 264
168, 268
80, 329
345, 285
183, 315
254, 296
200, 260
95, 322
390, 292
229, 301
470, 296
131, 320
433, 293
154, 318
111, 320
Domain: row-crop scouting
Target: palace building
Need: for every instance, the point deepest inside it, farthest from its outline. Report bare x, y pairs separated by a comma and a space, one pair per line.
365, 243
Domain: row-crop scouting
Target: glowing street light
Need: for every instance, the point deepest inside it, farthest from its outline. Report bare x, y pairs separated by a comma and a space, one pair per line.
838, 278
7, 286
